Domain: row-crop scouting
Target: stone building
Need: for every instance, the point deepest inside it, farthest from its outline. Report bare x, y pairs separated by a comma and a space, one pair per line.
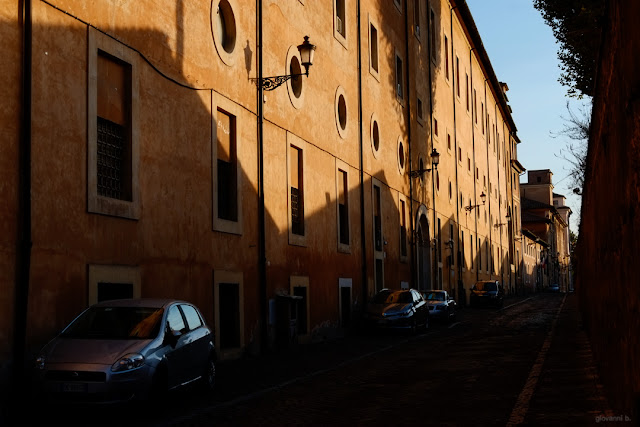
545, 215
140, 159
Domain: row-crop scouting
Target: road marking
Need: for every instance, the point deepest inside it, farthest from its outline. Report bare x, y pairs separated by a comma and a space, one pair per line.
516, 303
522, 404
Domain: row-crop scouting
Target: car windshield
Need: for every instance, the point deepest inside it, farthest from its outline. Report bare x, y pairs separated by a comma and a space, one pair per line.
486, 286
116, 323
435, 296
392, 297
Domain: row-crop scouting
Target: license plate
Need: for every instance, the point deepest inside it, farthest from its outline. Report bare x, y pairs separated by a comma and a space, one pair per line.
74, 388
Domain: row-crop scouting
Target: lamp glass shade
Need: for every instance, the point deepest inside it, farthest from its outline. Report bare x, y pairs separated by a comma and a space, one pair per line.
306, 50
435, 157
483, 197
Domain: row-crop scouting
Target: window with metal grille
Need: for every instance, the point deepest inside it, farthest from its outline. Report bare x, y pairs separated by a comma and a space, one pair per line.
297, 195
112, 146
403, 230
377, 219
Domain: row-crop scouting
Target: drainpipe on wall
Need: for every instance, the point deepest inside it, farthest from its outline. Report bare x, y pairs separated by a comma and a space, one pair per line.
262, 258
363, 243
23, 254
455, 139
474, 114
409, 143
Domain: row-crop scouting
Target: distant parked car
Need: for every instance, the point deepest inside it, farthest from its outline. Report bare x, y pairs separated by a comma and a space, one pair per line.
127, 349
441, 304
404, 309
554, 288
487, 293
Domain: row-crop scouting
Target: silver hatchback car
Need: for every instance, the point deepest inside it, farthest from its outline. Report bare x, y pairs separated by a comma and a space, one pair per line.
120, 350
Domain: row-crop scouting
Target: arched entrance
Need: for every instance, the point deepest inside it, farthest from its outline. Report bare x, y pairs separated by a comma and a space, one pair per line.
423, 245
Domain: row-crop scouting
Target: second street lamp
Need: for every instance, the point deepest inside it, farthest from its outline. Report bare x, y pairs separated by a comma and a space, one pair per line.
307, 51
472, 207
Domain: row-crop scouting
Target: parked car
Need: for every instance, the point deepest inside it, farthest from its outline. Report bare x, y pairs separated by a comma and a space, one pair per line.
121, 350
441, 304
554, 287
487, 292
405, 309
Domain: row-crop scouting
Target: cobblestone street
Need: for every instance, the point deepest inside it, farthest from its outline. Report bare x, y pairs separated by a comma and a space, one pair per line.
527, 363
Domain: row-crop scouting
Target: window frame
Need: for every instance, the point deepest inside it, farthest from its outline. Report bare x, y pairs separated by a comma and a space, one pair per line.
97, 203
231, 277
220, 224
343, 167
297, 142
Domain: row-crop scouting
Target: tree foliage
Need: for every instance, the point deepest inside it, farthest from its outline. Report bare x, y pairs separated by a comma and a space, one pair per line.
577, 26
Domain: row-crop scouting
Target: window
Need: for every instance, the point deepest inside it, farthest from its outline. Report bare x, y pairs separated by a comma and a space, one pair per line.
340, 20
468, 164
466, 76
420, 111
343, 208
227, 198
479, 248
460, 154
446, 57
229, 313
341, 112
403, 229
457, 76
300, 288
193, 319
296, 190
113, 134
225, 32
401, 156
377, 218
375, 135
226, 165
175, 322
295, 85
439, 237
432, 25
482, 116
399, 77
435, 127
475, 107
448, 141
107, 282
373, 49
471, 249
451, 248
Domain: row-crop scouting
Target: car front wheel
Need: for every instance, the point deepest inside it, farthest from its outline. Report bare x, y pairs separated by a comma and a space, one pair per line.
209, 375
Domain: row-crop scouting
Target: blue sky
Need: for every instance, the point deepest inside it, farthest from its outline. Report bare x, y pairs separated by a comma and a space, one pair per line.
523, 54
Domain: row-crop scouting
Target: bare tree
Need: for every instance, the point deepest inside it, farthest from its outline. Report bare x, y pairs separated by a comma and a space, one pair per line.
576, 129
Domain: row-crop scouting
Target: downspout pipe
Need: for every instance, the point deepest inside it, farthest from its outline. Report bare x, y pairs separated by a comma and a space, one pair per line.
262, 258
363, 234
414, 274
23, 254
455, 139
474, 114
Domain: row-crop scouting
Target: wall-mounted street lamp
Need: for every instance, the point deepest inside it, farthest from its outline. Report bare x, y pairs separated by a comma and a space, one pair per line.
504, 223
306, 50
435, 160
472, 207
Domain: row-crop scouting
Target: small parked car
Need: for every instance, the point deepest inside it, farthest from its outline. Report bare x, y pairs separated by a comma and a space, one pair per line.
487, 293
441, 304
405, 309
120, 350
554, 287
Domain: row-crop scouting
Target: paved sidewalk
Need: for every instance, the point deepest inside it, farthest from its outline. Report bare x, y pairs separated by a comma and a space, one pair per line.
568, 390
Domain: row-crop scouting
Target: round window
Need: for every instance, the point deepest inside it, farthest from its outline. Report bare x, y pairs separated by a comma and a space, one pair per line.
296, 82
342, 112
226, 26
375, 136
401, 157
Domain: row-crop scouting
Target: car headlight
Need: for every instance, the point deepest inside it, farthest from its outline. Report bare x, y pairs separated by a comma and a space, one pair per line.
128, 362
40, 362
